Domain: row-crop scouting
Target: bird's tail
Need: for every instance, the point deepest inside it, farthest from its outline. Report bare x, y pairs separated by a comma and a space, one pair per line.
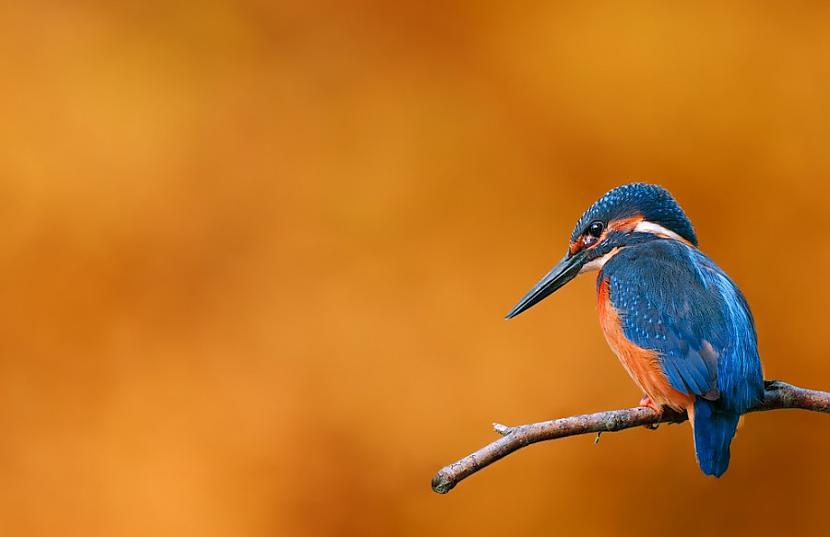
714, 428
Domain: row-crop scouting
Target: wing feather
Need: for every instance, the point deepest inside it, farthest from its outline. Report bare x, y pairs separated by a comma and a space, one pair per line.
674, 300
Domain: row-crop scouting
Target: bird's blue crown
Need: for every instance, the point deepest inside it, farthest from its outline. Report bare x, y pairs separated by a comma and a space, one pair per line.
654, 203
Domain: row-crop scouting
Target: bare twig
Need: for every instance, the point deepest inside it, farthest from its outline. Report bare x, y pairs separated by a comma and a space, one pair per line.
777, 395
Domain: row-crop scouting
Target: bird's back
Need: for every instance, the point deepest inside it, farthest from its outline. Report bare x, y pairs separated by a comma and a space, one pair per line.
677, 304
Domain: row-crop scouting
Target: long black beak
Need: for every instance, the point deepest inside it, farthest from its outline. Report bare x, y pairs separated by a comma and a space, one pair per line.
564, 271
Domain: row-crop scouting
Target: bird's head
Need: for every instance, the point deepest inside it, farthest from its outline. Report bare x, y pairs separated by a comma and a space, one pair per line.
628, 214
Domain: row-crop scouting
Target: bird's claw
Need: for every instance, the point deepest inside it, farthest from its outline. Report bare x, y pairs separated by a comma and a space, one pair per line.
648, 403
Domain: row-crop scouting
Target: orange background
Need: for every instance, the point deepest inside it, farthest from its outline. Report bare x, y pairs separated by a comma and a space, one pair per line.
255, 258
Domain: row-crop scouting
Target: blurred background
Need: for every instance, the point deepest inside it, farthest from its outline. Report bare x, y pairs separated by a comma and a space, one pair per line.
255, 258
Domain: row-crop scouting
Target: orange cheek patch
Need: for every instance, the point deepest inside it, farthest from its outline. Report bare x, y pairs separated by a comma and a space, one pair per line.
625, 224
576, 245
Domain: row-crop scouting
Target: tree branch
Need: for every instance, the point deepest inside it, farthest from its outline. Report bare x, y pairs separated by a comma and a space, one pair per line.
777, 395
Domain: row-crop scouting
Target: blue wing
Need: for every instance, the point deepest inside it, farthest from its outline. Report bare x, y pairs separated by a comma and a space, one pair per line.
674, 300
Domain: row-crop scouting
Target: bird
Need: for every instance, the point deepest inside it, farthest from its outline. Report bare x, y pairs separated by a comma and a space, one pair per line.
676, 321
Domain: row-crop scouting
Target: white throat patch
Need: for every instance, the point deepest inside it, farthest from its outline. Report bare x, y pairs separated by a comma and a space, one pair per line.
650, 227
598, 263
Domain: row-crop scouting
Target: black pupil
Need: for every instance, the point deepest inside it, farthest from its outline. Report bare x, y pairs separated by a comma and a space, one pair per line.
595, 229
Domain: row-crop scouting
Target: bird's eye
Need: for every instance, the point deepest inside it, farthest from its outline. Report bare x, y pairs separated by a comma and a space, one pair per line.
595, 229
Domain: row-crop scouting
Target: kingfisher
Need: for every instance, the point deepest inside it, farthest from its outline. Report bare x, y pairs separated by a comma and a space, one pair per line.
678, 323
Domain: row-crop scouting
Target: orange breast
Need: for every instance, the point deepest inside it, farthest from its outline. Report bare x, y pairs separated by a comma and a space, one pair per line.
643, 365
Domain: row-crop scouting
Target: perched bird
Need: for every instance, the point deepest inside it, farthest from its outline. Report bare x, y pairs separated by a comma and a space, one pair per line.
679, 325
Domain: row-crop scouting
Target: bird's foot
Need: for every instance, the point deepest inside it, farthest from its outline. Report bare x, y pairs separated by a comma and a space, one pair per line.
648, 403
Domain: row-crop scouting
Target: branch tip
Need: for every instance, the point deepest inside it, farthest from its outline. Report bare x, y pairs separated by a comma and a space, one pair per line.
777, 395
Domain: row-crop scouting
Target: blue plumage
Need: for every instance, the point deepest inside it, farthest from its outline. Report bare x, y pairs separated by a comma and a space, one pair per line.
674, 300
678, 323
714, 429
654, 203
